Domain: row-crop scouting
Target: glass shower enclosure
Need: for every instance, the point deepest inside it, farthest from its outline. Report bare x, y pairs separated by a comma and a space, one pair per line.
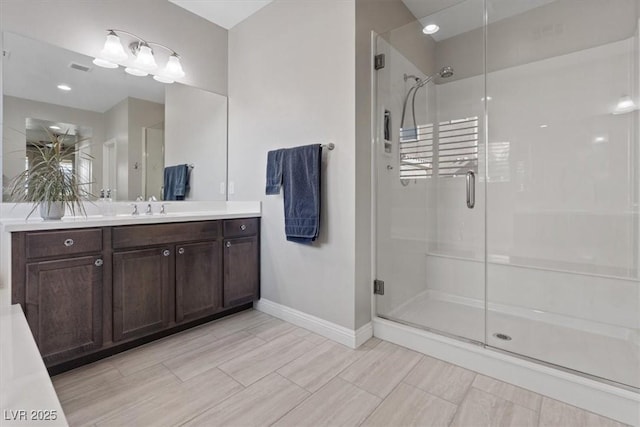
507, 186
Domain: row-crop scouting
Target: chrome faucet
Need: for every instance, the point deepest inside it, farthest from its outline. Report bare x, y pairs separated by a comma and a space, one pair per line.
135, 209
152, 199
149, 211
162, 211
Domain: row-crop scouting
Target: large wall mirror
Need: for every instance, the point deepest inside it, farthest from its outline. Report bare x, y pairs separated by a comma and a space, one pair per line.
128, 129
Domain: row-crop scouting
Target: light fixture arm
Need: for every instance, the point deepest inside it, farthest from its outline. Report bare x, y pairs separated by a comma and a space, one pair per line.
141, 41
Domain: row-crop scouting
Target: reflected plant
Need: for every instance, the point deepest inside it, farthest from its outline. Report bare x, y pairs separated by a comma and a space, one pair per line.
48, 181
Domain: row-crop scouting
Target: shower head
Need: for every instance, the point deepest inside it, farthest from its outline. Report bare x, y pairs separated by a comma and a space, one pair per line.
445, 72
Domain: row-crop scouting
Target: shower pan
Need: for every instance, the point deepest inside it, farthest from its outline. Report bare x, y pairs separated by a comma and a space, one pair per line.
520, 229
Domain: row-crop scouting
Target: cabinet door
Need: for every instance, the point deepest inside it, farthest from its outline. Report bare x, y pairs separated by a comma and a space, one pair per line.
141, 280
64, 306
241, 270
198, 280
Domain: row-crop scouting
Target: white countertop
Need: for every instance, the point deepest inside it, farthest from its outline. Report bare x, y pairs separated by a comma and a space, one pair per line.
178, 212
26, 391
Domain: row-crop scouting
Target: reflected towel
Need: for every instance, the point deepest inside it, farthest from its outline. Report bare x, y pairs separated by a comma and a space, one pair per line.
176, 182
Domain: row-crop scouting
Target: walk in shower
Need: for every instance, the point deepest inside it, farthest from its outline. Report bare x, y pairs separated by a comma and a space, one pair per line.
507, 214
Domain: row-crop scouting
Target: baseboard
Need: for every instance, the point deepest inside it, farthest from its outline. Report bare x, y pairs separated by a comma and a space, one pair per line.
349, 337
594, 396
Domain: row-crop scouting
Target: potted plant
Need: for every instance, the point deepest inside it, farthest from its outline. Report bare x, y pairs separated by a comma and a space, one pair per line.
48, 182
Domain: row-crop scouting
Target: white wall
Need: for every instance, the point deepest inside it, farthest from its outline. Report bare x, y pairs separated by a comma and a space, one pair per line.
117, 118
142, 114
196, 133
291, 82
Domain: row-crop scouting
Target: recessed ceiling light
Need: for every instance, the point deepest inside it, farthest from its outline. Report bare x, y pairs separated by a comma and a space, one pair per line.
54, 127
430, 29
64, 87
599, 139
625, 105
544, 126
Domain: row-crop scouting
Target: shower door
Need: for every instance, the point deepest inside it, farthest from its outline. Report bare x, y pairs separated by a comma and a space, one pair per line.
429, 163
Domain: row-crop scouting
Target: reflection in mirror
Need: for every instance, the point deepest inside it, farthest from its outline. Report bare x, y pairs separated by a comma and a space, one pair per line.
131, 136
75, 139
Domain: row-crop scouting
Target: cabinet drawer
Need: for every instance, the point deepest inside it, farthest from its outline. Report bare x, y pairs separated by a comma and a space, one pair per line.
159, 234
241, 227
64, 242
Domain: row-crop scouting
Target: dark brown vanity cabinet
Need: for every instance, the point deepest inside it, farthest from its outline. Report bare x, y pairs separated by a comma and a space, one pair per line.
58, 278
198, 279
141, 286
241, 261
88, 290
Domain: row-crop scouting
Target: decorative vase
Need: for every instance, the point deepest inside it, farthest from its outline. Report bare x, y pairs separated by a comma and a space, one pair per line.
50, 211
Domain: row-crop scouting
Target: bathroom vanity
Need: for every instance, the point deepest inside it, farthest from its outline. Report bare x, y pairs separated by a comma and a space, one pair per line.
94, 290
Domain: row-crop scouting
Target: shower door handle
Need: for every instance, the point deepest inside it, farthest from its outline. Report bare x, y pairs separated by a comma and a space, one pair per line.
471, 189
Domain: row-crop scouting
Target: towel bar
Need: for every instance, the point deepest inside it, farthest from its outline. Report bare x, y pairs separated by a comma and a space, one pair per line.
329, 146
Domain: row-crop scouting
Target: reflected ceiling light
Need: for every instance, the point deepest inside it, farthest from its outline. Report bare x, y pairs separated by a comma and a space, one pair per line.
488, 98
544, 126
64, 87
54, 127
430, 29
599, 139
144, 62
625, 105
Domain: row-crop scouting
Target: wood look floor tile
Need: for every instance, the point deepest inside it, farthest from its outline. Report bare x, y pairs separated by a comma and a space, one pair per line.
339, 403
318, 366
190, 364
440, 378
381, 368
260, 404
173, 406
271, 329
309, 336
75, 383
261, 361
238, 322
510, 392
558, 414
410, 406
371, 342
480, 408
108, 399
156, 352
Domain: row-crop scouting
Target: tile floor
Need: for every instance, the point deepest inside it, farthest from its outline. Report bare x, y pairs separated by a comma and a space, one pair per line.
251, 369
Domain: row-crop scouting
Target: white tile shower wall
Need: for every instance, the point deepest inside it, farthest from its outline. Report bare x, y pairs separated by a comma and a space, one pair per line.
568, 196
290, 88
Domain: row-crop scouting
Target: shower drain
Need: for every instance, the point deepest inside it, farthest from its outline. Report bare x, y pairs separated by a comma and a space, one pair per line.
504, 337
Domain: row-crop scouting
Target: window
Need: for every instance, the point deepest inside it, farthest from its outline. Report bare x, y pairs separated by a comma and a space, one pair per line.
453, 153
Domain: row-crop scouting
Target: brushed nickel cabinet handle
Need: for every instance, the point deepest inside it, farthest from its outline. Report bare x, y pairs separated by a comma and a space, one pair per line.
99, 262
243, 227
68, 242
166, 252
181, 251
228, 244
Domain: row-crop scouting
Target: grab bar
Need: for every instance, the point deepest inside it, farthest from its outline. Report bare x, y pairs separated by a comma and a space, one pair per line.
471, 189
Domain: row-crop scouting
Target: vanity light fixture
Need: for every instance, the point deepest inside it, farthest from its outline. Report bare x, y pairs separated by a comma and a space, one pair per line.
144, 63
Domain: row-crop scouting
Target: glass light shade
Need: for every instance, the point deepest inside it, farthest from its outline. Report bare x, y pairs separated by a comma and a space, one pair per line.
145, 60
173, 68
113, 50
135, 72
162, 79
104, 63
